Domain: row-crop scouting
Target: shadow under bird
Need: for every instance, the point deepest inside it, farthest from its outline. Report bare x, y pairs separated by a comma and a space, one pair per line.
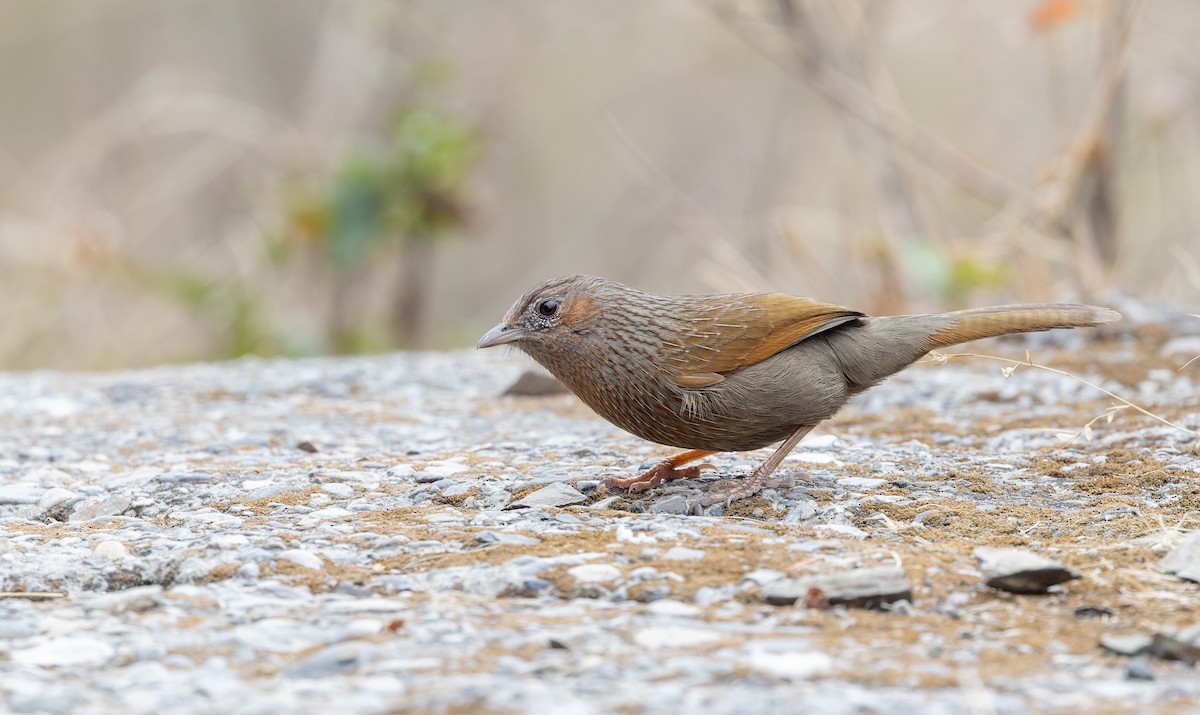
731, 372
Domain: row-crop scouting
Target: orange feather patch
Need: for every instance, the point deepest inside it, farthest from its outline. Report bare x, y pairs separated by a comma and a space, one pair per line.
749, 330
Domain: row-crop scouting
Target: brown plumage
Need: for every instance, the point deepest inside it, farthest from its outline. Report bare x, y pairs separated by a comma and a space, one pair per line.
733, 371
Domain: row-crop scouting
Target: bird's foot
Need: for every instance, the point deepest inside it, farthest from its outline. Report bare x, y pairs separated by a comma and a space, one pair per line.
755, 484
662, 472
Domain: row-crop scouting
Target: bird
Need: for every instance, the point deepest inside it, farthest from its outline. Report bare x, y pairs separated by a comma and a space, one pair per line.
733, 372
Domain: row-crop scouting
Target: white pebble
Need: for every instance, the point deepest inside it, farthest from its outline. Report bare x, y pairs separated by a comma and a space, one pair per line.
594, 573
792, 665
674, 637
683, 553
71, 650
339, 490
111, 550
55, 496
302, 558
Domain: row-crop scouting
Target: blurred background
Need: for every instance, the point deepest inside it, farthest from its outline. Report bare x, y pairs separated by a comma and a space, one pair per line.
203, 179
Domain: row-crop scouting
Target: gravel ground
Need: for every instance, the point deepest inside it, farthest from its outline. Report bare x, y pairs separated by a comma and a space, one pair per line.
344, 535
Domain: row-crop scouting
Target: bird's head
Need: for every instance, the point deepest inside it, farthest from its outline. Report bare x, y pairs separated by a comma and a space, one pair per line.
553, 314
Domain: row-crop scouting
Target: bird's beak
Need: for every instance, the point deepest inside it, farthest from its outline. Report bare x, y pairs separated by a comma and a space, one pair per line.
500, 335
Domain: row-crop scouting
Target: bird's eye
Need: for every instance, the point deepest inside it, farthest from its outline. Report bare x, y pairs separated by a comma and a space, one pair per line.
548, 307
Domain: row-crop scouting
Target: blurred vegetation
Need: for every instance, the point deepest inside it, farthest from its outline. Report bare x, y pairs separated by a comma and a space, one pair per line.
394, 202
211, 178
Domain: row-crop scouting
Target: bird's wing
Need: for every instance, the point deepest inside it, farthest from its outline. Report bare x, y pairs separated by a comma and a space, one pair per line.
745, 331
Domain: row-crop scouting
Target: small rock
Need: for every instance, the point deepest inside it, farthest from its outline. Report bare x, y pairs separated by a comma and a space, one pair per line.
1184, 559
114, 550
674, 637
131, 600
1130, 644
667, 607
535, 384
337, 658
643, 573
70, 650
762, 577
54, 497
443, 469
789, 664
500, 537
594, 573
456, 490
302, 558
821, 441
16, 629
114, 505
306, 446
605, 503
815, 458
1139, 669
654, 593
861, 588
674, 504
802, 512
861, 483
683, 553
1170, 647
1020, 571
555, 494
339, 490
534, 586
1186, 345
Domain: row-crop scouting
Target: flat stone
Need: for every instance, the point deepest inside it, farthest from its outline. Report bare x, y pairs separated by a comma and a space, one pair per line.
131, 600
789, 665
336, 659
594, 573
54, 497
815, 458
445, 468
674, 504
302, 558
1020, 571
1169, 647
501, 537
870, 588
861, 482
65, 651
661, 637
339, 490
554, 494
109, 506
668, 607
113, 550
1184, 559
683, 553
1131, 644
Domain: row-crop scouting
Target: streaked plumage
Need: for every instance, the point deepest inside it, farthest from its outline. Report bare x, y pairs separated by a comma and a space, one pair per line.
734, 372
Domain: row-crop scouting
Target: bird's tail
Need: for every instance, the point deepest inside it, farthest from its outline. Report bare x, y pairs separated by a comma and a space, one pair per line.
882, 346
966, 325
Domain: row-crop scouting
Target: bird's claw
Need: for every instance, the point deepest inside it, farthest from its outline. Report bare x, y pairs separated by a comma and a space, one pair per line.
749, 488
662, 472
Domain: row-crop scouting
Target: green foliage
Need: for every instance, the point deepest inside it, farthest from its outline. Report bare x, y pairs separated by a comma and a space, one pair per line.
952, 277
229, 307
413, 188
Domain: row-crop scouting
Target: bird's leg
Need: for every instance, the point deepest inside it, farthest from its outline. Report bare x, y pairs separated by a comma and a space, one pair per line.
758, 479
663, 471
